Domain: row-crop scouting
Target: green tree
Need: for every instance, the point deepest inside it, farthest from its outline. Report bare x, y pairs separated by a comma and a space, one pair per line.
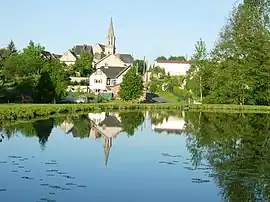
161, 58
58, 77
180, 58
83, 64
195, 75
240, 61
45, 91
132, 86
13, 67
33, 60
140, 65
11, 48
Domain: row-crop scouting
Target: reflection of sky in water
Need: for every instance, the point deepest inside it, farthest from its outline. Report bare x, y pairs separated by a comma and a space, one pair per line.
72, 169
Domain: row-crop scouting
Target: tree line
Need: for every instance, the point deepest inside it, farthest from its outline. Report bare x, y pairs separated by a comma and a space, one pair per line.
237, 69
29, 71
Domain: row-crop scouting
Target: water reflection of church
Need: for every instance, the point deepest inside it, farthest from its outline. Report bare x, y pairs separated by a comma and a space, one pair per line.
103, 125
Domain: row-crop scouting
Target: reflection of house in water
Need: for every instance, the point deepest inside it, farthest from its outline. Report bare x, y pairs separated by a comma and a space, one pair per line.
103, 125
106, 125
171, 124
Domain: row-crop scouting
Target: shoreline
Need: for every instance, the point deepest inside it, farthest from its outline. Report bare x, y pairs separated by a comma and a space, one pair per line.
29, 111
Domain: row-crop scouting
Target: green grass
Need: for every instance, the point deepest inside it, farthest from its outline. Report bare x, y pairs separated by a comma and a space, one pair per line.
229, 108
169, 97
29, 111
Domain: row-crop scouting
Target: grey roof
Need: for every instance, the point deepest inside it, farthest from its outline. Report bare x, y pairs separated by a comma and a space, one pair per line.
110, 121
112, 72
126, 58
47, 54
50, 55
58, 56
102, 46
79, 48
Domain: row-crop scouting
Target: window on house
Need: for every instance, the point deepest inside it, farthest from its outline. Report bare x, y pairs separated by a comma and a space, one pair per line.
113, 82
108, 81
98, 81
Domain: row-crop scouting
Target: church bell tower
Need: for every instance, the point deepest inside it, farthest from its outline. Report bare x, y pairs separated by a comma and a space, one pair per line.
110, 43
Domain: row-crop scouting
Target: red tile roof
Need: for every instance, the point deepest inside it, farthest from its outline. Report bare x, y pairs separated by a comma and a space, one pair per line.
173, 61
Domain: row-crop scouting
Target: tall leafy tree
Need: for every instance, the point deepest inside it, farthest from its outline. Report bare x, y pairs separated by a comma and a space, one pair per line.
195, 74
131, 87
83, 64
58, 78
240, 61
140, 65
33, 60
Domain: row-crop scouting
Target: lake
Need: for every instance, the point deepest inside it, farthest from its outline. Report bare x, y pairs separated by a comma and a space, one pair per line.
137, 156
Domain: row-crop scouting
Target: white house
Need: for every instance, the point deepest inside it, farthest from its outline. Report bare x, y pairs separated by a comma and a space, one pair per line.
173, 67
106, 78
171, 124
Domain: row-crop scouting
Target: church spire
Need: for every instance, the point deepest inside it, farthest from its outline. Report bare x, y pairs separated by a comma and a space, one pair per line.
110, 44
107, 146
111, 31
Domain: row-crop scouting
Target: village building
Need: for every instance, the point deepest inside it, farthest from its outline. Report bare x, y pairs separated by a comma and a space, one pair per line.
173, 67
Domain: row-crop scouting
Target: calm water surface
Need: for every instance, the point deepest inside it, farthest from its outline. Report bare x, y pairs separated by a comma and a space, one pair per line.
137, 156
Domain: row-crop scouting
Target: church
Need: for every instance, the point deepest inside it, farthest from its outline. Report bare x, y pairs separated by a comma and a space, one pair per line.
103, 54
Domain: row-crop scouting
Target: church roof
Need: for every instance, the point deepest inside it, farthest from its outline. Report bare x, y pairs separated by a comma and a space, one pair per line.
126, 58
112, 72
110, 121
102, 46
111, 30
79, 48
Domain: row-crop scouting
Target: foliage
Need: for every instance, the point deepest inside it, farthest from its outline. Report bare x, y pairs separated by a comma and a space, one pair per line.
33, 60
238, 68
83, 64
161, 58
196, 77
180, 58
140, 65
130, 121
58, 77
45, 91
131, 87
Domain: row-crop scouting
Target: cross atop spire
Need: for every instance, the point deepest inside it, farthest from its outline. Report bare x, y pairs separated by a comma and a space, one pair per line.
111, 30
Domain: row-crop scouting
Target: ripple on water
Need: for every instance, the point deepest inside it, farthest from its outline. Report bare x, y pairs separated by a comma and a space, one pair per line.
27, 178
2, 190
69, 177
81, 186
3, 162
47, 200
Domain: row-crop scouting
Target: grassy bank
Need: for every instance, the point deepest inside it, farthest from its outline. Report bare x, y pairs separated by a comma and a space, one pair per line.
28, 111
229, 108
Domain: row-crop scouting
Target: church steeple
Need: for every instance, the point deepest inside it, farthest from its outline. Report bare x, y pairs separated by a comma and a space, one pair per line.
110, 44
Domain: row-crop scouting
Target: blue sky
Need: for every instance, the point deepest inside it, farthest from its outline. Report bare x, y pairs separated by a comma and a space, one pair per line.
143, 27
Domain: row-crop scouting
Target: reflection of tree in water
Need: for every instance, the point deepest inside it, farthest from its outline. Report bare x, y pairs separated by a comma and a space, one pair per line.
237, 146
43, 130
130, 121
82, 126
